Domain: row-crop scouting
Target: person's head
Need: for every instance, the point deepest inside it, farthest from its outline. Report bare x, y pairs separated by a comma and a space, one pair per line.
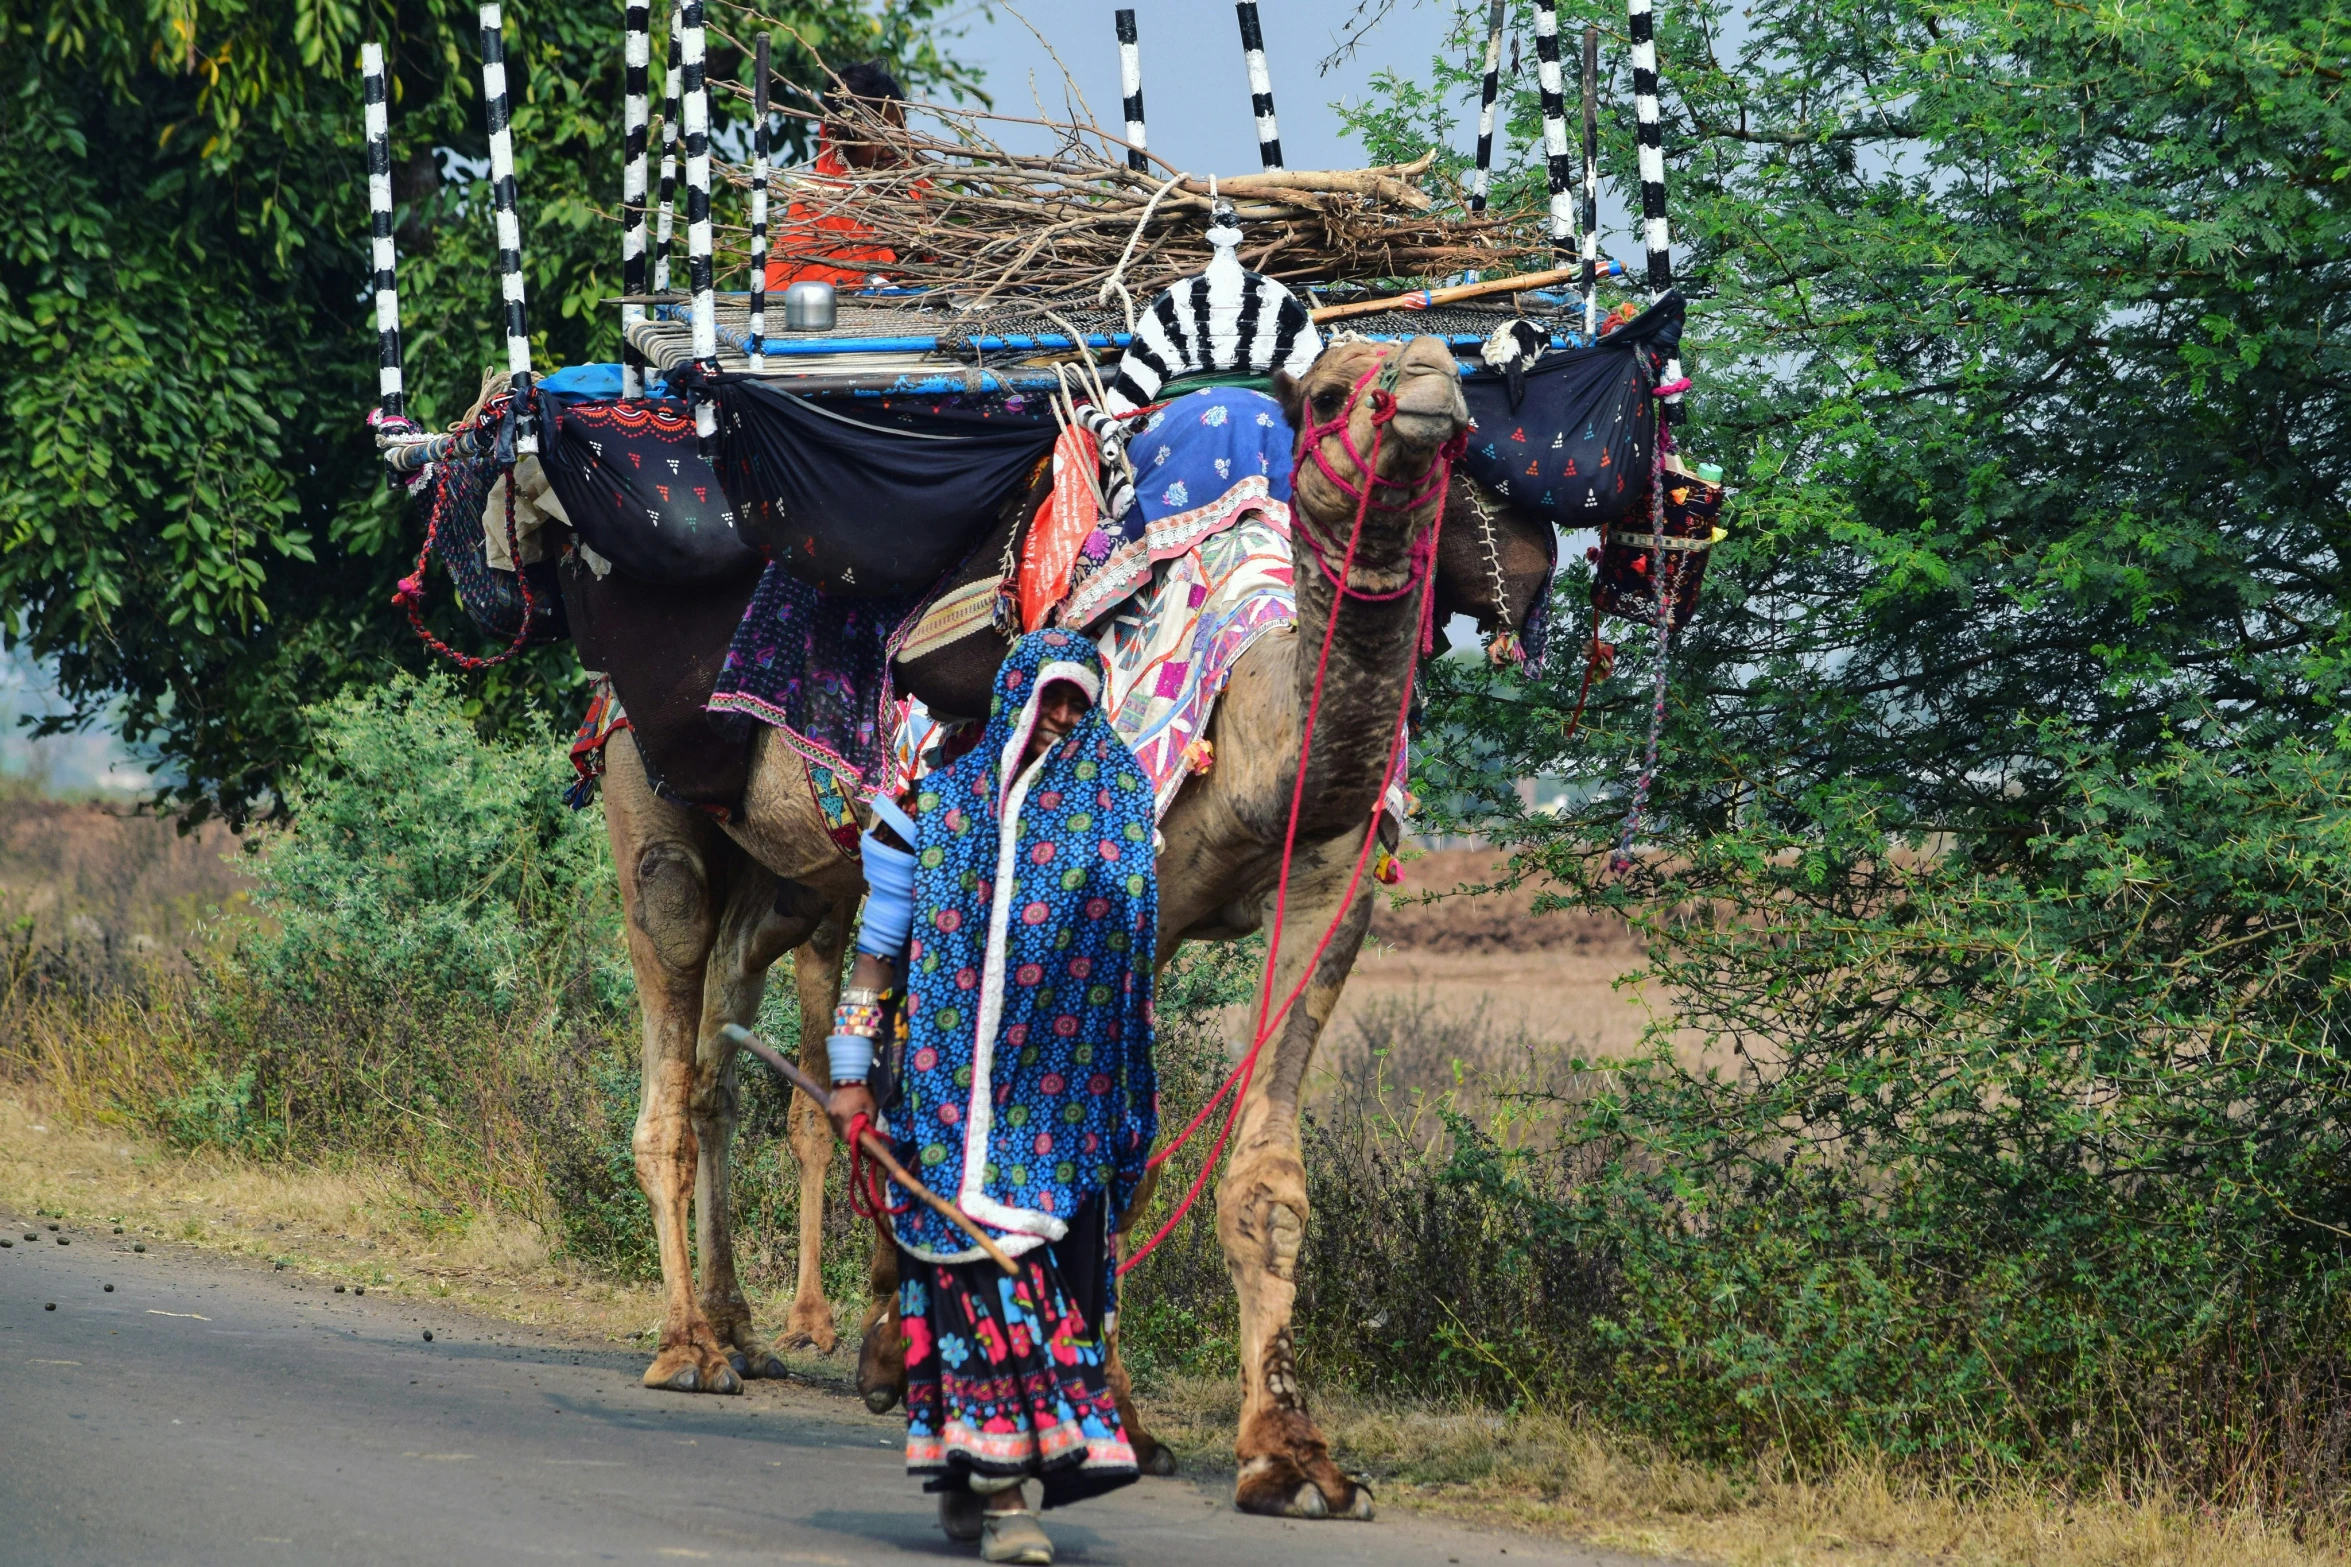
866, 89
1060, 707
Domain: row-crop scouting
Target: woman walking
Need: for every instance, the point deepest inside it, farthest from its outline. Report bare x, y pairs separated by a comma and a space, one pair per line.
1020, 904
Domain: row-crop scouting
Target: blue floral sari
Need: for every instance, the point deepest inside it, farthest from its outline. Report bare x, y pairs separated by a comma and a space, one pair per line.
1028, 1098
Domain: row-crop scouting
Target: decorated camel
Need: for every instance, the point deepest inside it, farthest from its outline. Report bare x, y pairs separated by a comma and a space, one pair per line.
711, 906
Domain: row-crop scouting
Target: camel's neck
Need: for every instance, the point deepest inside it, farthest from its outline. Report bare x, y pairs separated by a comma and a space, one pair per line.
1374, 645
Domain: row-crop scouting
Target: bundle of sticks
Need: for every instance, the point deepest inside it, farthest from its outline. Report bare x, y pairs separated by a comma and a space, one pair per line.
962, 212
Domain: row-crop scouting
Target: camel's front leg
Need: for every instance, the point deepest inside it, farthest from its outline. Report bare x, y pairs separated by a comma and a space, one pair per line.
751, 936
664, 854
816, 974
1261, 1212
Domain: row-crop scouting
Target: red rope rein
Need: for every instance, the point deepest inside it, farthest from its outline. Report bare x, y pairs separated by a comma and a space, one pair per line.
1420, 575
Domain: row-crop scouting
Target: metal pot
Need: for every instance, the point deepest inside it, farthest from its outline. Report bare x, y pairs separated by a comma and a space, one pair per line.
809, 307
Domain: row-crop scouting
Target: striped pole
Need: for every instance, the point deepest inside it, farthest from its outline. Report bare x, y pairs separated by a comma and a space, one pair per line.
1269, 135
705, 308
1493, 85
638, 56
390, 391
1591, 182
1555, 128
518, 332
759, 67
1654, 233
664, 223
1130, 82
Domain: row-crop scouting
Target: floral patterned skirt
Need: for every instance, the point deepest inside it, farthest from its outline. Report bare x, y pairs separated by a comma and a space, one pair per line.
1005, 1374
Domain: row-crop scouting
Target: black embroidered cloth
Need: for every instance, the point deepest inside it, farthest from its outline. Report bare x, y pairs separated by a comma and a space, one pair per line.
632, 480
1575, 449
869, 503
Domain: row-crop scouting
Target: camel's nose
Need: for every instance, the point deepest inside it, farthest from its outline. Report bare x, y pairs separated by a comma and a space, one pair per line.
1430, 409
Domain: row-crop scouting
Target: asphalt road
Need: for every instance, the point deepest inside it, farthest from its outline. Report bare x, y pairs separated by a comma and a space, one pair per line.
204, 1411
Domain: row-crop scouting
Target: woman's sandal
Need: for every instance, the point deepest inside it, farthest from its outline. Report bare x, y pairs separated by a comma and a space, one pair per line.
1015, 1537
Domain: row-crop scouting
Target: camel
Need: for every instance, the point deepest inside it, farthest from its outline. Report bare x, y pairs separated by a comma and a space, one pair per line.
711, 906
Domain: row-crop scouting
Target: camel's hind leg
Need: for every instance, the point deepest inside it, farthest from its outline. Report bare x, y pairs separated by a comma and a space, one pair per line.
664, 854
816, 972
752, 933
1261, 1212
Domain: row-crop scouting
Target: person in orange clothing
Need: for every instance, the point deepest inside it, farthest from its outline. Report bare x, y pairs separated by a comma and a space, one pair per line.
820, 246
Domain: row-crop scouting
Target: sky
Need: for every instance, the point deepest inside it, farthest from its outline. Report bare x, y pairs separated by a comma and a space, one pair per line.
1195, 89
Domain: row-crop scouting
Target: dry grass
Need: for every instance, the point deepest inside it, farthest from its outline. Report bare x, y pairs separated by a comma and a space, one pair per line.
1548, 1475
345, 1224
1556, 1475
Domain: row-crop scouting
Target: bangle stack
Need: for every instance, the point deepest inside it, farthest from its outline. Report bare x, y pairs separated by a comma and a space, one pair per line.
858, 1019
857, 1023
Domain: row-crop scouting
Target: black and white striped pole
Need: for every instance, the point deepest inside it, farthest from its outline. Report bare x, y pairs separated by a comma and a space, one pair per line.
391, 393
1492, 86
509, 225
1649, 125
1130, 83
637, 57
664, 223
1555, 129
1591, 182
1269, 135
759, 70
698, 239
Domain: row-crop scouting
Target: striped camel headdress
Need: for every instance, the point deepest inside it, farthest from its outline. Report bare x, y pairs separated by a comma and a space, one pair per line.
1222, 320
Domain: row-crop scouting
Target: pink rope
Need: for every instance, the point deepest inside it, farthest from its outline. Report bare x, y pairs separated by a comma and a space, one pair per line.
1269, 1017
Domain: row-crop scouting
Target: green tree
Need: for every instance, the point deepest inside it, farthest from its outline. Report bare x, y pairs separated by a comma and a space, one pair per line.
1995, 859
191, 518
2021, 332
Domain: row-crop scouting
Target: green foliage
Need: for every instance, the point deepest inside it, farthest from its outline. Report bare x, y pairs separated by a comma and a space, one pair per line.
2035, 1166
191, 517
422, 856
217, 1112
2020, 332
1176, 1311
1995, 841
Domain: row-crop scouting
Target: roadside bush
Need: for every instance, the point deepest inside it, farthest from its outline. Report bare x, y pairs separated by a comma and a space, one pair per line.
2038, 1165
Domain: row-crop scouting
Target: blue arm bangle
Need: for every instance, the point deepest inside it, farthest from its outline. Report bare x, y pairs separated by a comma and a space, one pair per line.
850, 1057
889, 900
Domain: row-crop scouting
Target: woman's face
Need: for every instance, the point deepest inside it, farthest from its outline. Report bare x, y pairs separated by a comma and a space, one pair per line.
1059, 707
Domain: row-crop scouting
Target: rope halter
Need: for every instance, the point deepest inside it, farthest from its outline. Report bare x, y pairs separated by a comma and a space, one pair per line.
1380, 382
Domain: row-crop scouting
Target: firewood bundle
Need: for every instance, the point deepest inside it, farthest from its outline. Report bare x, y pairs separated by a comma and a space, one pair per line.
1077, 224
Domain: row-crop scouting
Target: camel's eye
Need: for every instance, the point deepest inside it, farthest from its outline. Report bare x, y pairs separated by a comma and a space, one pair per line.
1327, 403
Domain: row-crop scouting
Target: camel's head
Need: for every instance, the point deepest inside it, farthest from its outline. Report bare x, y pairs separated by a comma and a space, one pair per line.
1394, 407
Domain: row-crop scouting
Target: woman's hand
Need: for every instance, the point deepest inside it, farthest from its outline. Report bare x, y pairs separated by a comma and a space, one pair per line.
848, 1102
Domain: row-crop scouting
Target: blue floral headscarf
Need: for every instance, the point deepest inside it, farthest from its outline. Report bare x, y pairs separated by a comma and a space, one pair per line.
1028, 1078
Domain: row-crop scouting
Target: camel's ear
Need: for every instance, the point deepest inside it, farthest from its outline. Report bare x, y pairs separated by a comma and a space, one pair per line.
1290, 392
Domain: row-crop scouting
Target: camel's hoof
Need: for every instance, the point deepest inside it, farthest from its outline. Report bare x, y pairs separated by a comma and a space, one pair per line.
767, 1367
881, 1400
693, 1378
1280, 1488
742, 1366
1155, 1459
821, 1339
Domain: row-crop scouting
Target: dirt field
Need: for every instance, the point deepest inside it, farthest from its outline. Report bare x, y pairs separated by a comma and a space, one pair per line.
1544, 977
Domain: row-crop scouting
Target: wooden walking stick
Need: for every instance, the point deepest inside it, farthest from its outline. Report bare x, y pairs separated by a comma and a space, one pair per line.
872, 1146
